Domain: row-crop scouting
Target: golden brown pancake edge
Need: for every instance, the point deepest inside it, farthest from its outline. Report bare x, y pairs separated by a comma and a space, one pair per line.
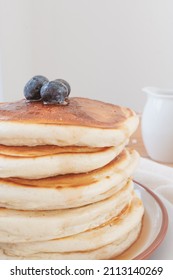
79, 112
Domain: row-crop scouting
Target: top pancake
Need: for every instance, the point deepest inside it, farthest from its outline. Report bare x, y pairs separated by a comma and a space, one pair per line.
80, 112
84, 122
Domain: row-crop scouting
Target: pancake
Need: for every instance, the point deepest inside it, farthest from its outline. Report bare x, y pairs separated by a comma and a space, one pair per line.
28, 226
114, 231
62, 162
84, 122
106, 252
67, 191
39, 151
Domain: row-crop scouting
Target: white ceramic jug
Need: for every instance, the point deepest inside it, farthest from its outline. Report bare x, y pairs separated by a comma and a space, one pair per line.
157, 124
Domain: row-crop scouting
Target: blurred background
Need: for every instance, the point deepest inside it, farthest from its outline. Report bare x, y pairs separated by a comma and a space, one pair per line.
105, 49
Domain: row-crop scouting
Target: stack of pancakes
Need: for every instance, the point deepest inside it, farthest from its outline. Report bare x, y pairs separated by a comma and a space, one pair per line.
65, 180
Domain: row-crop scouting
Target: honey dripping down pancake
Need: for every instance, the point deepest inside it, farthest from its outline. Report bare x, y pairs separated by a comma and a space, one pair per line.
83, 122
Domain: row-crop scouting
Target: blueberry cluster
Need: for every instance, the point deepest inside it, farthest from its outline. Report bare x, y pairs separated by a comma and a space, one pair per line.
50, 92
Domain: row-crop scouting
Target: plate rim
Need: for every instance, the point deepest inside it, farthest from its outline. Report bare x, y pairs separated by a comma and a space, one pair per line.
163, 229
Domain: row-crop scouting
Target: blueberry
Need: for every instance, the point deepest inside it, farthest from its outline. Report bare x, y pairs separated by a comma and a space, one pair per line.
33, 87
66, 84
54, 92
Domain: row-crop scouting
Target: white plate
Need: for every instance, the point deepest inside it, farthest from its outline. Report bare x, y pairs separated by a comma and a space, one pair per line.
155, 223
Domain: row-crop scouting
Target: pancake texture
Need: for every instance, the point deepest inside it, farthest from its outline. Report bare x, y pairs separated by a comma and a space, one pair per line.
106, 252
68, 191
22, 226
66, 188
84, 122
37, 167
114, 231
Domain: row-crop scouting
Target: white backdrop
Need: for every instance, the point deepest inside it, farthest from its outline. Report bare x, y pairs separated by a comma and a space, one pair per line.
1, 97
106, 49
